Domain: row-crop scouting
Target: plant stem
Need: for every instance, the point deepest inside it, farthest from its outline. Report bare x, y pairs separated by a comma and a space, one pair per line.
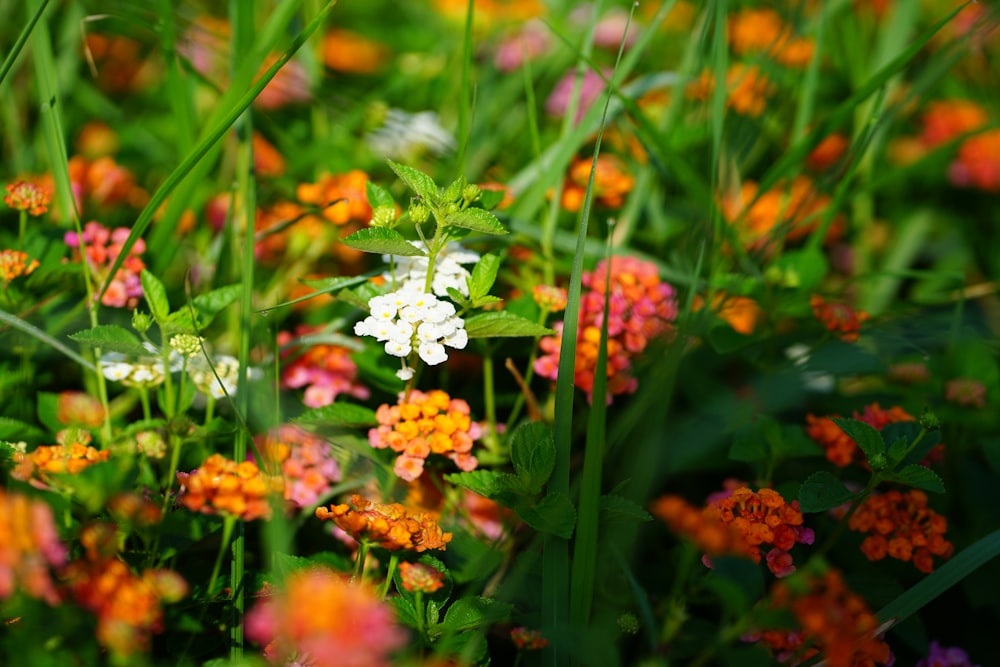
393, 561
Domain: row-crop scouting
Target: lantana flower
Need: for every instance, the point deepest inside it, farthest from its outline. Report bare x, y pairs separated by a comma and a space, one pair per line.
410, 273
29, 548
305, 460
390, 526
222, 486
902, 526
840, 447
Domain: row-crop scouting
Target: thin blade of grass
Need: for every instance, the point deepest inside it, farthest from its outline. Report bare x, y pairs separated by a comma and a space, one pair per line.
13, 320
22, 39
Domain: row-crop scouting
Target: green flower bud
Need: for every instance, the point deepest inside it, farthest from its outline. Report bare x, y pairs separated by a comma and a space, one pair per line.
141, 321
384, 216
628, 623
419, 213
471, 193
878, 461
186, 345
929, 420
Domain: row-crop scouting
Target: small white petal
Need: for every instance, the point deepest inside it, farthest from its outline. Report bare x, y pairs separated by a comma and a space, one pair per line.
398, 348
404, 374
457, 340
432, 353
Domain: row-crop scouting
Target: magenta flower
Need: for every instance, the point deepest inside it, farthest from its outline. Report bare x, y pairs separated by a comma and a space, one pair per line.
590, 90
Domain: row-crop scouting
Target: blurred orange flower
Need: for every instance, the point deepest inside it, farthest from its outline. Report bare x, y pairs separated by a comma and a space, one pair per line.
388, 526
902, 526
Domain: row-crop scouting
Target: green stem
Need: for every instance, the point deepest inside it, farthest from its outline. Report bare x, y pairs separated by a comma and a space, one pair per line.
491, 440
421, 613
227, 534
147, 413
22, 227
175, 457
360, 558
393, 561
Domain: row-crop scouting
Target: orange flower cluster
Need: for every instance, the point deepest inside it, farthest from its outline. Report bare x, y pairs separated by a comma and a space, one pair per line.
978, 163
419, 577
790, 210
102, 183
760, 30
528, 640
305, 460
351, 53
944, 120
117, 62
422, 424
221, 486
841, 448
29, 547
128, 607
902, 527
838, 318
67, 458
747, 89
349, 188
764, 518
740, 312
388, 526
550, 298
701, 526
25, 196
78, 408
14, 264
612, 182
833, 622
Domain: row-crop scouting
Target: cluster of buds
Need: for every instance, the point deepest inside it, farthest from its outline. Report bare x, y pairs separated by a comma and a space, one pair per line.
15, 264
410, 273
406, 320
838, 318
78, 408
101, 247
420, 577
422, 424
29, 547
305, 461
28, 197
326, 371
72, 455
764, 518
221, 486
833, 622
840, 448
128, 606
321, 619
903, 527
640, 308
388, 526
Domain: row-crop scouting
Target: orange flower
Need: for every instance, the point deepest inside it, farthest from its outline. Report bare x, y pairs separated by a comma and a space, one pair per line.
267, 160
420, 577
349, 52
25, 196
704, 529
221, 486
902, 527
945, 120
14, 264
740, 312
828, 152
763, 31
839, 318
388, 526
550, 298
832, 621
746, 86
611, 183
78, 408
978, 163
528, 640
841, 448
29, 547
70, 457
789, 210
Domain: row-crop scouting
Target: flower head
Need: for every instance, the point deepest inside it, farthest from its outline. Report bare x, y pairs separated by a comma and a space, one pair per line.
27, 196
305, 460
840, 447
528, 640
902, 526
70, 457
410, 273
941, 656
839, 318
101, 247
222, 486
29, 547
326, 371
965, 391
319, 618
420, 577
747, 89
14, 264
388, 526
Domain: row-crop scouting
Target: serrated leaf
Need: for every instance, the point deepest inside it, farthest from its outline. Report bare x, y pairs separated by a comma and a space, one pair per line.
917, 476
822, 491
867, 438
908, 431
503, 325
405, 611
484, 274
347, 415
477, 220
378, 196
205, 306
111, 338
552, 514
474, 612
382, 241
618, 508
454, 189
15, 429
486, 300
417, 181
499, 486
533, 453
156, 295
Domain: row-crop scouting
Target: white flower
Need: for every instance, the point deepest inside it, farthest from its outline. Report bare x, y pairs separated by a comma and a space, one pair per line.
432, 353
116, 371
404, 135
398, 349
422, 321
405, 373
411, 272
458, 340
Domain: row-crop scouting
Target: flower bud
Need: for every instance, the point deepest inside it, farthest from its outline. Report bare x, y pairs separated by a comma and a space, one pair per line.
141, 321
471, 193
187, 345
384, 216
419, 213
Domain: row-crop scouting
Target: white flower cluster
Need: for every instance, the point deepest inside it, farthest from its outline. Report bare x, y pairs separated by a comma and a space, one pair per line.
404, 135
411, 272
408, 319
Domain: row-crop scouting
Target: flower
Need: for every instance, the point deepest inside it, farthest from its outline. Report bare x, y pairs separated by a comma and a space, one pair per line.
761, 30
388, 526
14, 264
940, 656
78, 408
741, 312
326, 371
351, 53
139, 372
902, 527
419, 577
305, 460
611, 183
978, 163
764, 518
704, 529
528, 640
70, 457
128, 606
832, 622
641, 308
222, 486
218, 379
101, 247
421, 424
747, 89
406, 320
406, 136
590, 90
29, 547
550, 298
525, 45
965, 391
410, 273
318, 618
27, 196
838, 318
840, 447
945, 120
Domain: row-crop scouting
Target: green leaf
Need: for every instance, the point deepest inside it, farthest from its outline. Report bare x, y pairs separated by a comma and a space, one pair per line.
490, 199
822, 491
615, 509
382, 241
552, 514
111, 338
378, 196
454, 189
334, 283
866, 437
417, 181
347, 415
458, 298
478, 220
498, 486
15, 430
748, 448
474, 612
503, 325
405, 611
484, 274
800, 269
205, 306
918, 476
908, 431
533, 454
156, 296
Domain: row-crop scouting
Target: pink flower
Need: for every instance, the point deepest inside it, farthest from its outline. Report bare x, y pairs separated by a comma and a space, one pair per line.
524, 46
590, 90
